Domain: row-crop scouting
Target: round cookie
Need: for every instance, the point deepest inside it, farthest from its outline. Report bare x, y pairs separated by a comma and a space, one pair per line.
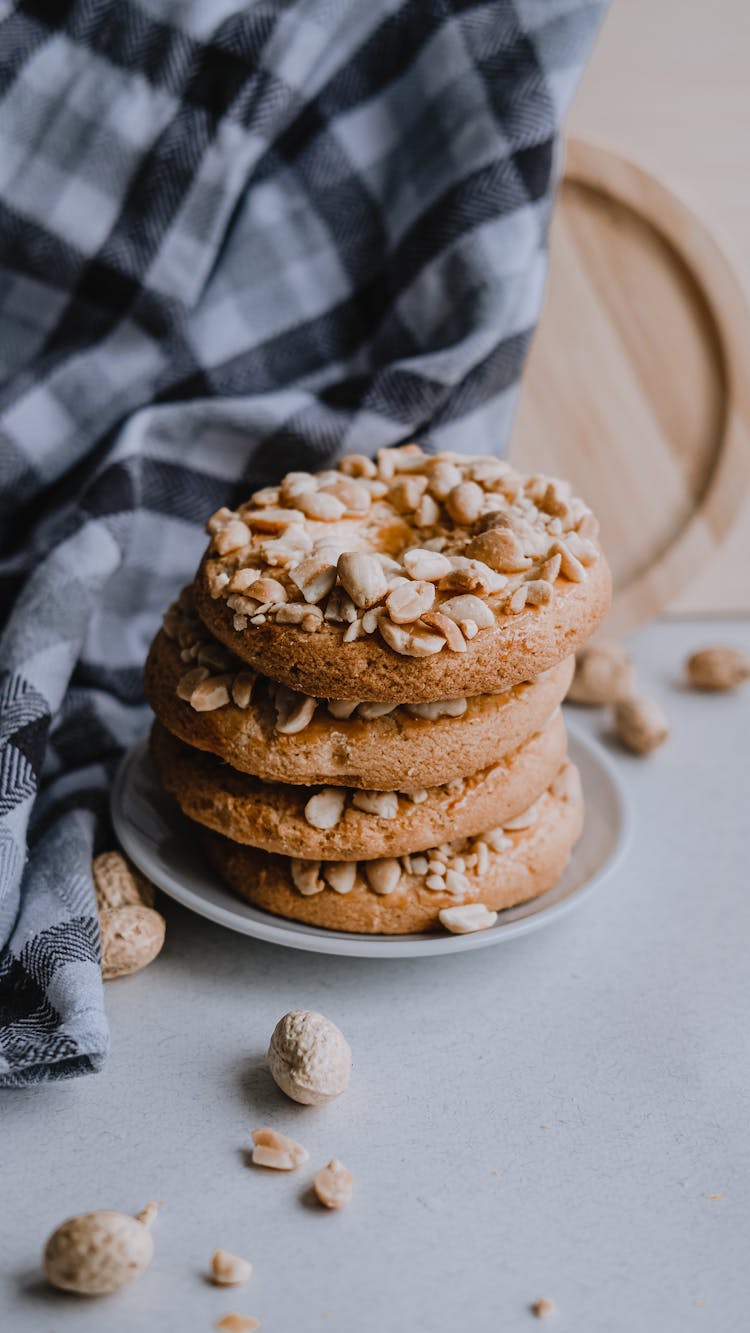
272, 815
528, 863
412, 579
396, 750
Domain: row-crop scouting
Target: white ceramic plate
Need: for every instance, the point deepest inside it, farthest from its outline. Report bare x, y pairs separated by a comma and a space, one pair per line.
163, 844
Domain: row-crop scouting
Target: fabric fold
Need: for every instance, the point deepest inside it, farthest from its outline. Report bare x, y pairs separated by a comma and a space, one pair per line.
236, 241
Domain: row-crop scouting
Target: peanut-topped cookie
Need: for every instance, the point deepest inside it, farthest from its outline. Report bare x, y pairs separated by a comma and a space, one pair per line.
349, 823
412, 578
503, 866
214, 701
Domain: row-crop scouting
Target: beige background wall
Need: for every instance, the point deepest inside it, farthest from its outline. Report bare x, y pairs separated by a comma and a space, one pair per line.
669, 86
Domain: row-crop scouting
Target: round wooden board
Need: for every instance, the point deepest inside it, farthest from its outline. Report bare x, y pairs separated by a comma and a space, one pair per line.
636, 388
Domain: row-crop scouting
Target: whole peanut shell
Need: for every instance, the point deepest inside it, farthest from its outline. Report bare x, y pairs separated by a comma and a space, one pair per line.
97, 1253
640, 724
604, 674
309, 1057
118, 884
718, 668
131, 939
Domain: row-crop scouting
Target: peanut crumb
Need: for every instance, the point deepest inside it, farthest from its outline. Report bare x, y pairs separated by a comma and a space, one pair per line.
237, 1323
543, 1308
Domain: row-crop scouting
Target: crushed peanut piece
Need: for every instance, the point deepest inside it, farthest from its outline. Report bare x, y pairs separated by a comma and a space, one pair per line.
539, 592
467, 918
296, 613
324, 810
384, 804
314, 577
306, 876
447, 627
190, 681
232, 537
211, 694
410, 600
242, 688
440, 708
355, 498
229, 1270
363, 578
423, 564
237, 1323
370, 710
570, 566
276, 1151
465, 502
293, 711
333, 1184
383, 876
357, 465
414, 642
340, 876
468, 607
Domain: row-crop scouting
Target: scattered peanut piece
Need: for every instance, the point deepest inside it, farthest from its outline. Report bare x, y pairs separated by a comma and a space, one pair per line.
237, 1323
229, 1270
543, 1308
467, 918
333, 1184
309, 1057
131, 939
640, 724
717, 669
604, 674
277, 1151
94, 1254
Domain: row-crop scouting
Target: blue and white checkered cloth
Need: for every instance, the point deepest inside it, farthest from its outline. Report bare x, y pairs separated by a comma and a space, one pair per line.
235, 239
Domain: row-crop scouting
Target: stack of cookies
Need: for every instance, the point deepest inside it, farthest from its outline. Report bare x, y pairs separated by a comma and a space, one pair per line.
357, 699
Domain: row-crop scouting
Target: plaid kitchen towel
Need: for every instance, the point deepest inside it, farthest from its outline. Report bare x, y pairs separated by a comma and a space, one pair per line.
234, 240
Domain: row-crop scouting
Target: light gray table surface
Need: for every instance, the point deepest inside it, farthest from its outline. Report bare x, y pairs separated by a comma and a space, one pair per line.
550, 1117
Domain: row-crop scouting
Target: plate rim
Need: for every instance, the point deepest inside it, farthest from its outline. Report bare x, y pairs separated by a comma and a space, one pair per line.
270, 929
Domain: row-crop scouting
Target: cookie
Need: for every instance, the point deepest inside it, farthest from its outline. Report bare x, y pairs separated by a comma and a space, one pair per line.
415, 578
500, 868
340, 823
395, 750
